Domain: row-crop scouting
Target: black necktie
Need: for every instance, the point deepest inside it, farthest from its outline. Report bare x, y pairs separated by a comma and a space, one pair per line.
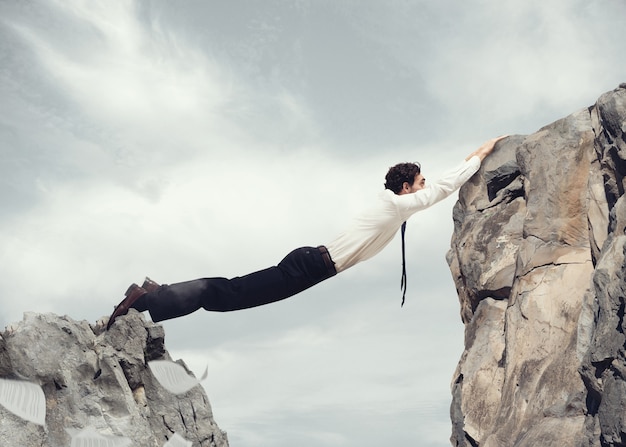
403, 281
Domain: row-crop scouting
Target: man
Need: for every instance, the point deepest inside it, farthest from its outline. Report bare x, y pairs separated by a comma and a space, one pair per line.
405, 194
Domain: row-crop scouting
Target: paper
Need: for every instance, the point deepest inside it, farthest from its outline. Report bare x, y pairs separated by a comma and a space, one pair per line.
89, 437
177, 441
173, 377
24, 399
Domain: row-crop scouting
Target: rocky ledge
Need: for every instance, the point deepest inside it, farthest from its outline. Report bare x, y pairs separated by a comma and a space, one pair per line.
98, 380
538, 260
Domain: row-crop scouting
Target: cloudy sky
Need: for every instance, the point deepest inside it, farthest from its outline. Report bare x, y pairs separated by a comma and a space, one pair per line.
183, 139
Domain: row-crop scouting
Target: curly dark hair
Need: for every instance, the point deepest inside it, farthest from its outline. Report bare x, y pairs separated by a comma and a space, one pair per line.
400, 173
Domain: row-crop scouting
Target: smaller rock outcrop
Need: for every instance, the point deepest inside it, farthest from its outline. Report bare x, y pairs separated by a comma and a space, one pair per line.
99, 380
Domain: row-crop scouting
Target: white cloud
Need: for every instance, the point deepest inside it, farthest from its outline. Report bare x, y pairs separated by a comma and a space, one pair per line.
139, 85
517, 61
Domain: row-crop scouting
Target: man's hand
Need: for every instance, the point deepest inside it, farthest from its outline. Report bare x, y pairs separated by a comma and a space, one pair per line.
486, 148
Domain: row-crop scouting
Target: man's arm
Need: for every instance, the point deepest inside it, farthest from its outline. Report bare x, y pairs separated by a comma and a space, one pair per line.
437, 190
486, 148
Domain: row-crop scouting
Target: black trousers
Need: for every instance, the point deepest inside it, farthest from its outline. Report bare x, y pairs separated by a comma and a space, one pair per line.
299, 270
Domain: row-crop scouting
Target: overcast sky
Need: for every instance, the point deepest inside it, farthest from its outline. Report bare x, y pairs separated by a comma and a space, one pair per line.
184, 139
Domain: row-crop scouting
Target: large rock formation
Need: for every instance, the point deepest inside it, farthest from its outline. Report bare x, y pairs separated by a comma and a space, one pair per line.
99, 380
538, 258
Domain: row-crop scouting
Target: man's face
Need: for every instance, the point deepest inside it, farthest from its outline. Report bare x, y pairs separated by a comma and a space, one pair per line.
418, 183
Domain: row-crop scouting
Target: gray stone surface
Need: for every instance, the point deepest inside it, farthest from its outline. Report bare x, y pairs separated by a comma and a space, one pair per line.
538, 259
94, 378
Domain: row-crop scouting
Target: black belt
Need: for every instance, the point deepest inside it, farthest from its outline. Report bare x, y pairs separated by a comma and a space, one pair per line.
330, 265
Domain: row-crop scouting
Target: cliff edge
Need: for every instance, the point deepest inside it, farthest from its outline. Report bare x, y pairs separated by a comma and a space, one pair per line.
538, 259
100, 381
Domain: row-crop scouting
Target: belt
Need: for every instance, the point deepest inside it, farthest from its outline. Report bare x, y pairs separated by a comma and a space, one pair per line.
330, 265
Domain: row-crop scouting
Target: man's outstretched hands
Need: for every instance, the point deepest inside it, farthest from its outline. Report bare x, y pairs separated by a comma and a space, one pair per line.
486, 148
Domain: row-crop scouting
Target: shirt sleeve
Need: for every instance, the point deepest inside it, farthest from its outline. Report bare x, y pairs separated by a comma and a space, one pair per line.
439, 190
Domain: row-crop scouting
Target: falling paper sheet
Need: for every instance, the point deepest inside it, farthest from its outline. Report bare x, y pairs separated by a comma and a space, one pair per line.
24, 399
173, 377
177, 441
89, 437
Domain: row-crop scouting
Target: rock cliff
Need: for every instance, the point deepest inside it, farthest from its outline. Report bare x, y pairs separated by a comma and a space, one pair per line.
93, 379
538, 259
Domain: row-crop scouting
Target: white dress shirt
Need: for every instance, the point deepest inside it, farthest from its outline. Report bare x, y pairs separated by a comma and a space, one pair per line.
374, 229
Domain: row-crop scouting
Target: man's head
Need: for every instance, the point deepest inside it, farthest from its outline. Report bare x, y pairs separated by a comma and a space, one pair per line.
405, 178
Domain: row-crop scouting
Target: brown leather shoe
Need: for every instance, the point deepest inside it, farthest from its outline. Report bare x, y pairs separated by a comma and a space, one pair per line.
133, 293
150, 285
